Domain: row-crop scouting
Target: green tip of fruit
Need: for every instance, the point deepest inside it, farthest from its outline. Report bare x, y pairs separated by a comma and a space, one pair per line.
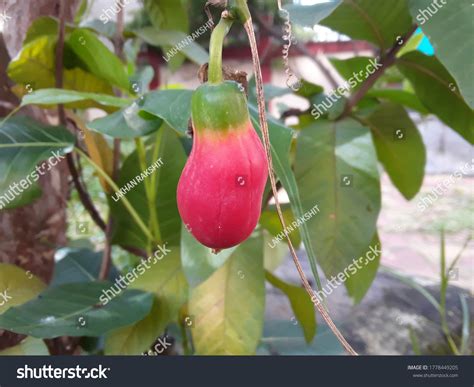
220, 106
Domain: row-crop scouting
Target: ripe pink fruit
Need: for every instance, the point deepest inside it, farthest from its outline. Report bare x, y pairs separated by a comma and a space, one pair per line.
221, 187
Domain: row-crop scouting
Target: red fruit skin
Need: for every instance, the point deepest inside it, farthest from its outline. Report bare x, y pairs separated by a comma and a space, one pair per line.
221, 187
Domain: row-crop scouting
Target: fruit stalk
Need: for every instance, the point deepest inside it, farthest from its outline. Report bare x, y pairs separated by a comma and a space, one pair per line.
215, 48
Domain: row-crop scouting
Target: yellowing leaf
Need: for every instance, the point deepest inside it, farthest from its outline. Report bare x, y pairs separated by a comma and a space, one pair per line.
17, 286
28, 347
228, 307
166, 280
34, 68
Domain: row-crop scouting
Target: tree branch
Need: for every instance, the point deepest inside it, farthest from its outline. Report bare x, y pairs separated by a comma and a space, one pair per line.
387, 60
83, 194
59, 59
293, 113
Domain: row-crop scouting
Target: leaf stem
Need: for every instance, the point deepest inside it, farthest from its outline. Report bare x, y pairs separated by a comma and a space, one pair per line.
142, 159
215, 48
153, 184
141, 152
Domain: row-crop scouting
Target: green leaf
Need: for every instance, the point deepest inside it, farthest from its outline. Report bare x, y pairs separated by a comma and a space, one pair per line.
448, 27
336, 169
136, 338
74, 310
108, 29
415, 344
350, 69
403, 97
18, 286
228, 308
75, 265
28, 196
61, 96
43, 26
280, 141
378, 22
308, 89
273, 254
271, 91
412, 44
199, 262
173, 106
358, 283
173, 159
168, 15
23, 144
309, 16
28, 347
127, 123
98, 58
169, 39
34, 67
166, 280
399, 147
301, 304
438, 91
81, 11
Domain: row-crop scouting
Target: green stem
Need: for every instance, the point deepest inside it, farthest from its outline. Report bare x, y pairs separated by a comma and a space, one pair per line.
442, 302
126, 203
9, 115
240, 9
215, 50
149, 188
153, 185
